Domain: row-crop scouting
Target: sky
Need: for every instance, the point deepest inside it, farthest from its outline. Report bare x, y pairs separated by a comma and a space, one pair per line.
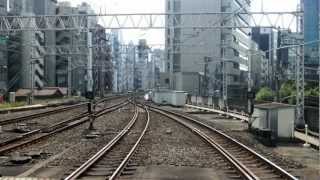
157, 6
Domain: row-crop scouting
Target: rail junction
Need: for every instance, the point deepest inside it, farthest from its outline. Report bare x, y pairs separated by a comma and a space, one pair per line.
125, 137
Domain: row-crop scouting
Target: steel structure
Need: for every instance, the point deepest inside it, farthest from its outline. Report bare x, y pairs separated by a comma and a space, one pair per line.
285, 20
84, 49
144, 21
300, 78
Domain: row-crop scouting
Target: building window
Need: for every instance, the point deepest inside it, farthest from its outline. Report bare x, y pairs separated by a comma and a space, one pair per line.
236, 65
236, 53
235, 78
235, 39
176, 5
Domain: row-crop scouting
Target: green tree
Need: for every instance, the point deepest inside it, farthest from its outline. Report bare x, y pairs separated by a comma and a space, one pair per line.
264, 94
288, 92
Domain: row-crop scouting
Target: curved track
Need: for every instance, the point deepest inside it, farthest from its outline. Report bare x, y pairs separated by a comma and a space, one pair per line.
248, 164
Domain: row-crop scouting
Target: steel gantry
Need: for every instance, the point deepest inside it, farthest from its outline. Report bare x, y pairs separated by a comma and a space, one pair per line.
78, 22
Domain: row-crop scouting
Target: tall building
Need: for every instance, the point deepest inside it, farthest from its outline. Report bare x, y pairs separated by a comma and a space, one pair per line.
130, 61
66, 38
267, 40
158, 66
102, 61
116, 40
142, 66
48, 7
73, 39
3, 53
187, 67
310, 27
26, 65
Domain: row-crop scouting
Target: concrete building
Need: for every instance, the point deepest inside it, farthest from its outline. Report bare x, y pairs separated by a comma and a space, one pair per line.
48, 7
288, 56
72, 39
102, 61
158, 66
143, 67
267, 40
130, 60
259, 67
116, 40
310, 27
186, 69
25, 69
3, 53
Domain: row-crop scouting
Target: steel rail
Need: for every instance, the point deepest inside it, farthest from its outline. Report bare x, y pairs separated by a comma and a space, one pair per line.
123, 164
245, 172
281, 171
54, 111
43, 130
42, 114
105, 110
81, 120
84, 167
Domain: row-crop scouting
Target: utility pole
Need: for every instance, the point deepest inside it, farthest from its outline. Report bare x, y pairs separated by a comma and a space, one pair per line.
32, 82
69, 77
300, 78
89, 65
90, 93
206, 76
224, 78
134, 70
277, 70
300, 85
251, 95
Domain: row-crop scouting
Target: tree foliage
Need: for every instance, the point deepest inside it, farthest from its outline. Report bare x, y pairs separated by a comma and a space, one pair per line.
288, 92
264, 94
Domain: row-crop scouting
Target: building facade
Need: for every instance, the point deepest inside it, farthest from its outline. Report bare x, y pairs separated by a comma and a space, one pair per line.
267, 40
116, 40
25, 62
73, 64
102, 61
188, 50
130, 60
3, 52
142, 66
48, 7
310, 28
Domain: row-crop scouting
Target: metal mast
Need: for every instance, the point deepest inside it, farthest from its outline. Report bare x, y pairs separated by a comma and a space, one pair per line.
300, 78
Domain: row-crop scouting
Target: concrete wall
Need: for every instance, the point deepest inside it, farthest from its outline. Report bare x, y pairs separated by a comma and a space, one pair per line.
187, 81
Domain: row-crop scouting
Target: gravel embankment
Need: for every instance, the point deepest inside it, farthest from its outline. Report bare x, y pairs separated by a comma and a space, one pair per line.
80, 148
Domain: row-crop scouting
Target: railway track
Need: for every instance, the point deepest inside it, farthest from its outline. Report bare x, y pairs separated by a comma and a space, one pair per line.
42, 114
113, 159
244, 161
54, 111
40, 134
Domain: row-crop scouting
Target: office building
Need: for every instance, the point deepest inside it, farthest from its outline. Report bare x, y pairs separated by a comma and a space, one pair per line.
190, 51
77, 61
48, 7
310, 28
102, 61
267, 40
25, 62
3, 53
